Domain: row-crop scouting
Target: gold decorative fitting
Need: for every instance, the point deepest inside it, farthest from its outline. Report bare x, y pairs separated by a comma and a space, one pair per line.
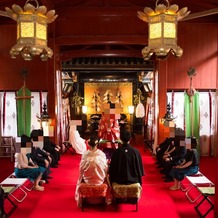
162, 29
31, 30
191, 91
76, 100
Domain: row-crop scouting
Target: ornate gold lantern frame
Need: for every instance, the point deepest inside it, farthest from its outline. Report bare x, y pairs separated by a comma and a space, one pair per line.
31, 30
162, 29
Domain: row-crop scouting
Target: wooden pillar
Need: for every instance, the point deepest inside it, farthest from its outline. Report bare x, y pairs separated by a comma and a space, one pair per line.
216, 173
161, 68
51, 96
56, 89
54, 64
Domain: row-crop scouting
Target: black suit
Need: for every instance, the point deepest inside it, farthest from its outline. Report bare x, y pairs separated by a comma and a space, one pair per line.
38, 156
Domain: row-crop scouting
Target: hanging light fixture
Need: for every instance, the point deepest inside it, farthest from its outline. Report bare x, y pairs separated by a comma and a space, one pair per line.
84, 109
162, 29
31, 30
131, 109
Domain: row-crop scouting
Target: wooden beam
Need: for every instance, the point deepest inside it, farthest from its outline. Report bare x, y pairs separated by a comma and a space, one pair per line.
68, 55
201, 14
99, 40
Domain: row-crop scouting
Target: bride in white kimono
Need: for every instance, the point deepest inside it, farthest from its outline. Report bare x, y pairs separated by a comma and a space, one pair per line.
93, 167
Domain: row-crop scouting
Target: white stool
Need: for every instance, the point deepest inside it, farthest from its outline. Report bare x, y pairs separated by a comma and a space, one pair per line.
17, 183
197, 181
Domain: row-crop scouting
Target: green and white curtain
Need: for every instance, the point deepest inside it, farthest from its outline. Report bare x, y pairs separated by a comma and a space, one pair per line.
8, 112
197, 118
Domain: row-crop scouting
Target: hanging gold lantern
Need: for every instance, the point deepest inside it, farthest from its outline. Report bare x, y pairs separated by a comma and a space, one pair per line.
162, 29
31, 30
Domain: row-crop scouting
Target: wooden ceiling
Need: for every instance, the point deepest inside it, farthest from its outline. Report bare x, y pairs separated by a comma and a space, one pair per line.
105, 28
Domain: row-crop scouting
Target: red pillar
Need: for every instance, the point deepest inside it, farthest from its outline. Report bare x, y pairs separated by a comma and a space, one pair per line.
216, 181
161, 68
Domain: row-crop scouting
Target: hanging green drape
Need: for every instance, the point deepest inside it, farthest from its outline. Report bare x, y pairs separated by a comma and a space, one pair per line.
23, 111
192, 116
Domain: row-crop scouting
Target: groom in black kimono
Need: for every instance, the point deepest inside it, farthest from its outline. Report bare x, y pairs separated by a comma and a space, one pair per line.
126, 163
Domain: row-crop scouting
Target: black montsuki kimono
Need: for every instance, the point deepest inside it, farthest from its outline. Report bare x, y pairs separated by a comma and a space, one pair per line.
126, 166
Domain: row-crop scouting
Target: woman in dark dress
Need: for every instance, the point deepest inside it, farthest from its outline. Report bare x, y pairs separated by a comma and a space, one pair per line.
189, 166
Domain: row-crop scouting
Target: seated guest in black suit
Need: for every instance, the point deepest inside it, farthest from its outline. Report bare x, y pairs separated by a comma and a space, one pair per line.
126, 163
162, 147
41, 158
174, 159
49, 147
53, 150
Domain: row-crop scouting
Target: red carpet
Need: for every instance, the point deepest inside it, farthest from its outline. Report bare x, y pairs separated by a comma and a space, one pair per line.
58, 198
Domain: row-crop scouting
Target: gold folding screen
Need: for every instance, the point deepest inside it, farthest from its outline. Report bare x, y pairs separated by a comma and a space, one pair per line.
120, 94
